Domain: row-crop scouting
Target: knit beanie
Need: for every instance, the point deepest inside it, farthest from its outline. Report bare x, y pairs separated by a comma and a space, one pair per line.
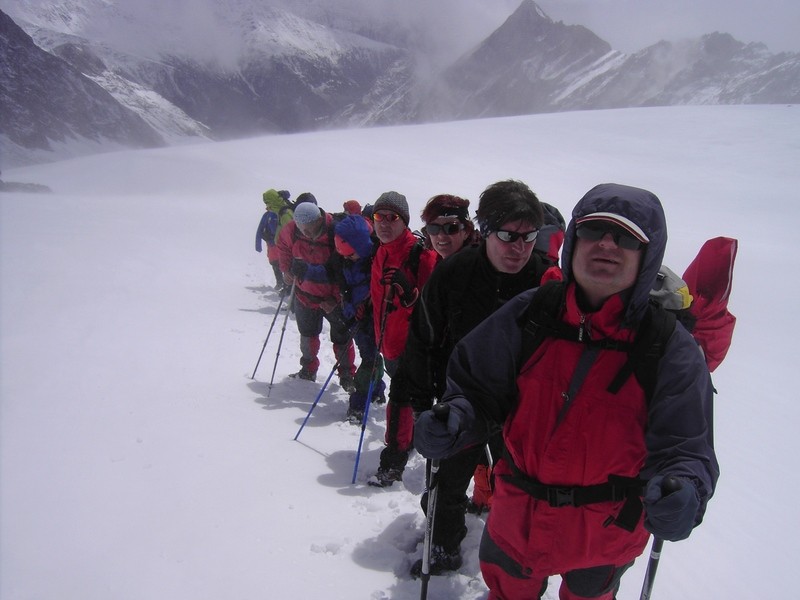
305, 197
353, 231
306, 213
394, 202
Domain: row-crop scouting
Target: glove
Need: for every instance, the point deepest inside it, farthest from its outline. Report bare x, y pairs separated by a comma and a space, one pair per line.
407, 293
299, 268
670, 515
288, 279
440, 435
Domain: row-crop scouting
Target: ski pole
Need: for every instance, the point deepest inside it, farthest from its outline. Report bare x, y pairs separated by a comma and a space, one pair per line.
280, 342
441, 411
269, 333
322, 391
668, 485
433, 491
387, 301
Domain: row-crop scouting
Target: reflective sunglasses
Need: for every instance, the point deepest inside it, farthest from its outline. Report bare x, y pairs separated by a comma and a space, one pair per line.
446, 228
509, 237
596, 231
388, 217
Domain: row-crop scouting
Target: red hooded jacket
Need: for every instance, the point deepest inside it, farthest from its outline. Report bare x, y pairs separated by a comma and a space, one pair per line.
293, 244
396, 254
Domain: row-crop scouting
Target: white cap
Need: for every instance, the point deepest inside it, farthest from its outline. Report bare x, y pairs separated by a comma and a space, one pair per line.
623, 222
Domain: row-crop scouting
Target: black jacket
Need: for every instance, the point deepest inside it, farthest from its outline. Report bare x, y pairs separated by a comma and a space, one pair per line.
463, 290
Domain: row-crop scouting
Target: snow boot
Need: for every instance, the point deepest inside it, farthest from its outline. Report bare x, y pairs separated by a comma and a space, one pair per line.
385, 477
347, 383
442, 561
304, 374
355, 416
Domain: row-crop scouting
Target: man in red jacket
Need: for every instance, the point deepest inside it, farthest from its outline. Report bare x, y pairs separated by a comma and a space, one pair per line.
580, 486
305, 246
399, 270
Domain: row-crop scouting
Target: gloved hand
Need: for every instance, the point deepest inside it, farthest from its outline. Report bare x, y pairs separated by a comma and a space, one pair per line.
444, 431
407, 293
299, 268
288, 279
670, 515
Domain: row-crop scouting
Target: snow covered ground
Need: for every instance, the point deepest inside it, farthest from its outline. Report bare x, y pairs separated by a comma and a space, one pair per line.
141, 462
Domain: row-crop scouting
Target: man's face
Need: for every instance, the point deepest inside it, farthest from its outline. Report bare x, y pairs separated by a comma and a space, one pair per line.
510, 257
311, 230
388, 225
602, 268
447, 235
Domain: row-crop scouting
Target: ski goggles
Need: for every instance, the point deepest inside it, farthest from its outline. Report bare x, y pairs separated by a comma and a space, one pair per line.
388, 217
509, 237
446, 228
594, 231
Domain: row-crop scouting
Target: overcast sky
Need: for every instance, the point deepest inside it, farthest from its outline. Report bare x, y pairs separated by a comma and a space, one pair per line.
630, 25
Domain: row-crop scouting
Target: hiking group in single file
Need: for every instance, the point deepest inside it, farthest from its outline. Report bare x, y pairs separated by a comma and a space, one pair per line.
558, 366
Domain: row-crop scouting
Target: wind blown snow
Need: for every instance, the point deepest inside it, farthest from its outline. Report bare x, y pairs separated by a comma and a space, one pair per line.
140, 460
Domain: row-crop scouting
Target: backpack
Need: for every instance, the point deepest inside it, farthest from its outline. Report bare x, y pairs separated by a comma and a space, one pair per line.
269, 233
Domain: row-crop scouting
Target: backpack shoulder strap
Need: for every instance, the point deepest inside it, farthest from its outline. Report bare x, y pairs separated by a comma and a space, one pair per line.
654, 332
540, 320
414, 257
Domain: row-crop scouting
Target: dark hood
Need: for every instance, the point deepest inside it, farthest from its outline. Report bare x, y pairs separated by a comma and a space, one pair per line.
643, 208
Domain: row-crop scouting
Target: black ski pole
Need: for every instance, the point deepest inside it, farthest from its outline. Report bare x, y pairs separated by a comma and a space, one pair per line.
280, 342
668, 485
441, 411
269, 333
322, 391
385, 311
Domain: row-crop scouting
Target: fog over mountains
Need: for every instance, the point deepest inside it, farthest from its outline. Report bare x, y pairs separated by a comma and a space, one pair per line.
79, 76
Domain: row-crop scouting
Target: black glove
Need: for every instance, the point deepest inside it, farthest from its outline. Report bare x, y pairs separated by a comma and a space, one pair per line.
444, 430
407, 293
670, 515
299, 268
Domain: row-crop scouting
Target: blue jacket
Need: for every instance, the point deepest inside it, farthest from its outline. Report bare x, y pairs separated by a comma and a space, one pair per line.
267, 227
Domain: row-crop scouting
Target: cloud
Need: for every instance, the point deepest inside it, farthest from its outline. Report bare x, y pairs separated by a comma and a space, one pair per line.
630, 25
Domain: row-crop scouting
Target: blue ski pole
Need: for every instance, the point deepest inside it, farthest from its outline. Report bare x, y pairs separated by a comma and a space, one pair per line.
387, 301
322, 391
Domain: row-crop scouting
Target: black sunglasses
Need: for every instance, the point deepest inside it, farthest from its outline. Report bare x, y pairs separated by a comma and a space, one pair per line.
447, 228
388, 217
510, 237
596, 231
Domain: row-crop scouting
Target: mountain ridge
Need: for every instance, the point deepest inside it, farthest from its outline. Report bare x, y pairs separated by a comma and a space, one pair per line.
266, 69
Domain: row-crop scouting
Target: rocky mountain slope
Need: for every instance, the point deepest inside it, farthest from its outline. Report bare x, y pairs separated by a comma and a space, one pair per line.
86, 72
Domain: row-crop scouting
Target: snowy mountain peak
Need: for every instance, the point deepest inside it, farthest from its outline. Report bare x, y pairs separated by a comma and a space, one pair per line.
228, 68
529, 11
